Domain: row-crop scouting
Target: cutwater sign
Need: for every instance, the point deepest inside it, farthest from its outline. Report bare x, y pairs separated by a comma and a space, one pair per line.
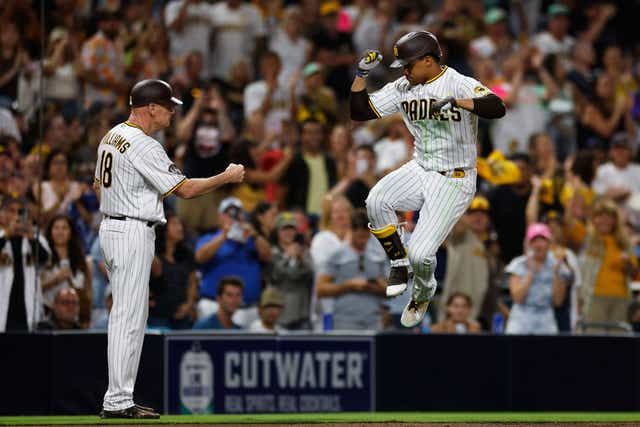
249, 374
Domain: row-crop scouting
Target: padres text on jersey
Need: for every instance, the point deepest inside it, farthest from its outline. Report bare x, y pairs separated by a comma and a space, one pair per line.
444, 141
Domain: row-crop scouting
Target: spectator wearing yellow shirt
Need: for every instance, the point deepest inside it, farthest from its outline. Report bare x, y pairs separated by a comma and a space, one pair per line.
606, 263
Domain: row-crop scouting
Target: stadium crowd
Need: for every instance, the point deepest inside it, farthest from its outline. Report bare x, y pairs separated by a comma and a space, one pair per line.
550, 243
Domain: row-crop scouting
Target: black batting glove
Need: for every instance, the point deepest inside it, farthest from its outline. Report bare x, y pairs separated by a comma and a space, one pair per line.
443, 105
368, 61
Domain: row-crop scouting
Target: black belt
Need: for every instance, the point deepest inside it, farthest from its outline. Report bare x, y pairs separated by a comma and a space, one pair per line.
124, 218
456, 173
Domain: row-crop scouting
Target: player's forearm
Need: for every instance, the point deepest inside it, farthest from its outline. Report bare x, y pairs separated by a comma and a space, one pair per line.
360, 104
195, 187
487, 107
358, 84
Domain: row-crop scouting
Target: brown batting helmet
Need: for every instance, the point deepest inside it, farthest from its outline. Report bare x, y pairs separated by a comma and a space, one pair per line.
415, 45
154, 91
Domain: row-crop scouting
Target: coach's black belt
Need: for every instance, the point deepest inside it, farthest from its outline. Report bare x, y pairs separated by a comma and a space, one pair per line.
124, 218
456, 173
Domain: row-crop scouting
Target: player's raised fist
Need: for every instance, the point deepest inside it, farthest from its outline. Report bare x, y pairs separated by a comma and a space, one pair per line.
443, 105
235, 173
368, 61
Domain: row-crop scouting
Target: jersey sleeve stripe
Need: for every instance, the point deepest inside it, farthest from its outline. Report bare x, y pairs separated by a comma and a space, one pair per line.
175, 187
374, 108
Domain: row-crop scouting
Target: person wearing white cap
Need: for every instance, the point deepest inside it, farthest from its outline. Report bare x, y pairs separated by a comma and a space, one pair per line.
234, 249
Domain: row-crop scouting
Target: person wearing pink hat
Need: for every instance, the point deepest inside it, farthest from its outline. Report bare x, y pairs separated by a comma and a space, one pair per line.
537, 283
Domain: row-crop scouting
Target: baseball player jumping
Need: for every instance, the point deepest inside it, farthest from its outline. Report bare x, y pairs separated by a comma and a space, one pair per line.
439, 107
133, 175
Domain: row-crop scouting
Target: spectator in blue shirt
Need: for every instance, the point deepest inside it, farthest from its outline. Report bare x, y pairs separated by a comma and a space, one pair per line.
228, 299
235, 249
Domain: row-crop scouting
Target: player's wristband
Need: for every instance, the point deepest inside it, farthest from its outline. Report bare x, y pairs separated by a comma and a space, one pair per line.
362, 73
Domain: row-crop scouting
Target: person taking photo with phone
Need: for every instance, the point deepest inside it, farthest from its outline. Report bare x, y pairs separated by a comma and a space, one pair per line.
20, 251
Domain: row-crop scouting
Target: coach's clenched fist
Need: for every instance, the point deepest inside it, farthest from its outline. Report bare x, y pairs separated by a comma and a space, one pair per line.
368, 61
235, 173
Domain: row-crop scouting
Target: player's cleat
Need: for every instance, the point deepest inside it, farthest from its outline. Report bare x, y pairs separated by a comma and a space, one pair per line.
145, 408
398, 279
134, 412
413, 313
421, 295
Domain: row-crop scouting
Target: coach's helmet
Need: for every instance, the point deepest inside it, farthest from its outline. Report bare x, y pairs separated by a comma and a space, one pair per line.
415, 45
154, 91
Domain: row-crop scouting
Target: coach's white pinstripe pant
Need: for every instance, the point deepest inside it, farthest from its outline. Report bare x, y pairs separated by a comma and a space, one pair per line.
441, 201
128, 248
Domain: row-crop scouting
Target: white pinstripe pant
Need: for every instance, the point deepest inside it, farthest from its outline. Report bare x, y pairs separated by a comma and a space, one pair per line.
441, 201
128, 248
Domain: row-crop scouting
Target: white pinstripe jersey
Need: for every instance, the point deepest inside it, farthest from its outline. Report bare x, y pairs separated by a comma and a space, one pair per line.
441, 142
134, 174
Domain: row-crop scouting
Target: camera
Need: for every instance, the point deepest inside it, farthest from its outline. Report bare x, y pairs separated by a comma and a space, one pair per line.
235, 213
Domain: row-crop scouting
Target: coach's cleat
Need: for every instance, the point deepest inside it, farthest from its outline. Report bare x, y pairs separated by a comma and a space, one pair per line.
134, 412
145, 408
398, 279
413, 313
